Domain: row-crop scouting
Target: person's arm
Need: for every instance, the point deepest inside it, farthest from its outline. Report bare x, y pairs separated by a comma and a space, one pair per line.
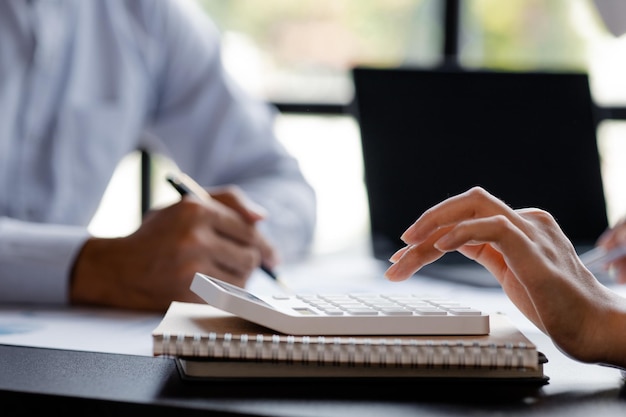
216, 134
535, 263
222, 136
155, 265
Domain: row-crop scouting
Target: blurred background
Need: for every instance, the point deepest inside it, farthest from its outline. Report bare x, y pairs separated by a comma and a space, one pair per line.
298, 55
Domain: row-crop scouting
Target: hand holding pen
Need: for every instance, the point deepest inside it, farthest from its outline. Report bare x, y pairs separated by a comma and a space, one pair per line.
186, 186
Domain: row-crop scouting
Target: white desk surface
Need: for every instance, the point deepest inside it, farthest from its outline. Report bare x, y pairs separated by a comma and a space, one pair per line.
127, 332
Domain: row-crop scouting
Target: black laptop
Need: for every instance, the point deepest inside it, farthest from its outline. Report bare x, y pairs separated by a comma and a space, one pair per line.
528, 138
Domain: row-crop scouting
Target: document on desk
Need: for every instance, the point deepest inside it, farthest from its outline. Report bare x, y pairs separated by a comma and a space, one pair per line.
72, 328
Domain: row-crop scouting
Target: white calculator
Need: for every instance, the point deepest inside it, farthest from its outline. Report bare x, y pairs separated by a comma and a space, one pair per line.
344, 314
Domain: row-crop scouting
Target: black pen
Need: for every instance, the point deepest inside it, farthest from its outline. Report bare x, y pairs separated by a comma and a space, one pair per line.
185, 185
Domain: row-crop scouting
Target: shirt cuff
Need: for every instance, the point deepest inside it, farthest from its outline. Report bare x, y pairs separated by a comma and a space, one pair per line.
36, 260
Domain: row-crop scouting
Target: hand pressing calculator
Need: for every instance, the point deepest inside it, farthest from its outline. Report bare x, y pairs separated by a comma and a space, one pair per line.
344, 314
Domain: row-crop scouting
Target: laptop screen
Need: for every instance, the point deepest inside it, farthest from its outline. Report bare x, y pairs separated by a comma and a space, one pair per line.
528, 138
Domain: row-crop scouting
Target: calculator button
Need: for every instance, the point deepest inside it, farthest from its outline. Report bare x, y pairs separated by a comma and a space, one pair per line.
396, 312
349, 305
449, 305
426, 311
307, 297
324, 306
335, 297
386, 306
333, 312
361, 311
414, 304
305, 311
281, 297
464, 311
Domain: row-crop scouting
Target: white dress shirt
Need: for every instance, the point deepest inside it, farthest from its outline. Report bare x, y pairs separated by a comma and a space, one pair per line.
85, 82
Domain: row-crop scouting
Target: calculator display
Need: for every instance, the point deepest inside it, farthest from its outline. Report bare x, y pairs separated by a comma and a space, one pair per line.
240, 292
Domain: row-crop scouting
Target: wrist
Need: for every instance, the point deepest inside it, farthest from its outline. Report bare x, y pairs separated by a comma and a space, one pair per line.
93, 273
612, 327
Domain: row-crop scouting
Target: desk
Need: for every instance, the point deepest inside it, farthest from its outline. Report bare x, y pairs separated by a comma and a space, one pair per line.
123, 377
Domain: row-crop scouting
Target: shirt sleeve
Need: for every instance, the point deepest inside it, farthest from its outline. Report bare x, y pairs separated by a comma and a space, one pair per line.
30, 251
221, 135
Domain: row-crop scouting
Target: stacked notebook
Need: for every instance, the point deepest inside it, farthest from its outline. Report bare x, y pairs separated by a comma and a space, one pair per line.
209, 343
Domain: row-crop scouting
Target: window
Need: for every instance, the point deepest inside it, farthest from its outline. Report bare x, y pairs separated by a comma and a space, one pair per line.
556, 35
302, 51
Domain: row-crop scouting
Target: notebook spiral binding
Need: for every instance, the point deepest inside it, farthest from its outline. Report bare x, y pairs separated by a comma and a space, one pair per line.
351, 351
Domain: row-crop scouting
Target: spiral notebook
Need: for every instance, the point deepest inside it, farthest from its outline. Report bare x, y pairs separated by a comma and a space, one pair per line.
209, 343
